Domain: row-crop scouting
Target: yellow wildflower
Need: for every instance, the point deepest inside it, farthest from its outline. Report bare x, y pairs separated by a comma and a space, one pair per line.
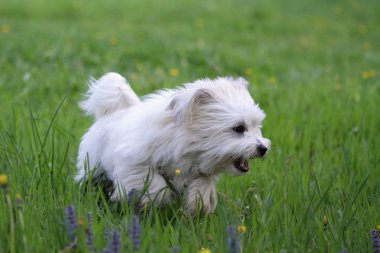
241, 228
174, 72
3, 180
366, 46
371, 73
365, 75
203, 250
5, 28
80, 221
363, 29
272, 80
113, 41
325, 220
368, 74
378, 227
249, 71
199, 21
177, 171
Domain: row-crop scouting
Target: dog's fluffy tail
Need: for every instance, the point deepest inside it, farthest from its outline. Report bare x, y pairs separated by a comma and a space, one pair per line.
107, 95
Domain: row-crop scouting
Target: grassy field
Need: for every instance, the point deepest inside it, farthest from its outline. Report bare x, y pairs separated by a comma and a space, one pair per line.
314, 67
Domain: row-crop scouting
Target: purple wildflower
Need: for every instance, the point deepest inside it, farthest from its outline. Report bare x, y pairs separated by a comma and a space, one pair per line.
175, 249
115, 242
233, 240
71, 222
90, 234
89, 218
375, 235
135, 232
131, 197
106, 232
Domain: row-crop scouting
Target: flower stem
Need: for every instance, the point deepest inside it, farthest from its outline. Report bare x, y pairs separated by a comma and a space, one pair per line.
12, 246
22, 223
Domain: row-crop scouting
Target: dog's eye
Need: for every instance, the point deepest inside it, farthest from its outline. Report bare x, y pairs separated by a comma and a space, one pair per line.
239, 129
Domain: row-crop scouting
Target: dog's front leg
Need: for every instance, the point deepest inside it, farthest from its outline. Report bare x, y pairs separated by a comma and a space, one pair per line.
150, 187
202, 193
155, 191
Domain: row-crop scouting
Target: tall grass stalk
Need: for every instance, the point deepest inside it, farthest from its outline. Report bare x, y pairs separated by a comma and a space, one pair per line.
12, 232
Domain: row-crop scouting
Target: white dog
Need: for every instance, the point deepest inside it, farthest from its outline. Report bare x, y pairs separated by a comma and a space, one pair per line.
171, 143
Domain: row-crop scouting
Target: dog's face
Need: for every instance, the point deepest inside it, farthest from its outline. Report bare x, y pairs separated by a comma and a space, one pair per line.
221, 124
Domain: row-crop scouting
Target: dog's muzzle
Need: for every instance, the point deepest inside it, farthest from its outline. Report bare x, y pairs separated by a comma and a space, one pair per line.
242, 164
261, 151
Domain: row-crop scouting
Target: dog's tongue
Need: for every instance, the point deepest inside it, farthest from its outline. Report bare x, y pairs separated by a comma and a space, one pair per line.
244, 165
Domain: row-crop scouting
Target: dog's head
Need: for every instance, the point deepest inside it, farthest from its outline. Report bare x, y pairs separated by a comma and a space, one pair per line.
220, 124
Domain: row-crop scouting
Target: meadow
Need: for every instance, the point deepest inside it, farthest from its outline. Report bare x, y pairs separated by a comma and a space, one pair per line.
313, 66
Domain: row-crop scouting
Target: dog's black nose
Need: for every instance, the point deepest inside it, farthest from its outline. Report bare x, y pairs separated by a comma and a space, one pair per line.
261, 150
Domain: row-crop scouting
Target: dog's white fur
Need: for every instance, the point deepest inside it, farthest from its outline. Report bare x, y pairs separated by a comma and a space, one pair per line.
141, 143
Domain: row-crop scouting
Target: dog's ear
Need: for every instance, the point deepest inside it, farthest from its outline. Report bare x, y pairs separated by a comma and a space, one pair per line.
186, 102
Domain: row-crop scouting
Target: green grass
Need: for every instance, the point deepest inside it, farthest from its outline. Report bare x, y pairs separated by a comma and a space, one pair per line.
314, 67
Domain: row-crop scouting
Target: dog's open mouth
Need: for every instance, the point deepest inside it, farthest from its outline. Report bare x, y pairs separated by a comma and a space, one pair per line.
242, 165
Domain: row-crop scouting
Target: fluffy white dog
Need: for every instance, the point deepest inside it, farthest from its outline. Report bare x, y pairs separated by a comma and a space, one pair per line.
171, 143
